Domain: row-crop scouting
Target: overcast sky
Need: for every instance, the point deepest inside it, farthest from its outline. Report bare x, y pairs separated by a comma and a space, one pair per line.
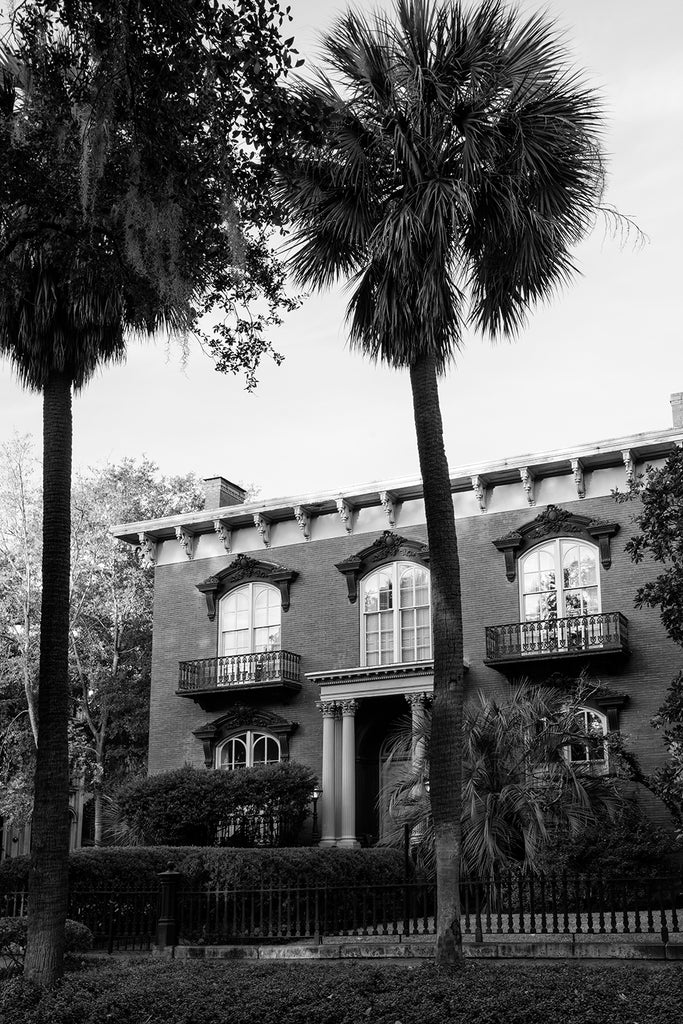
600, 361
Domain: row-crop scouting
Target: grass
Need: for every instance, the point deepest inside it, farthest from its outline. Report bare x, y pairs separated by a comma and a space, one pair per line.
167, 992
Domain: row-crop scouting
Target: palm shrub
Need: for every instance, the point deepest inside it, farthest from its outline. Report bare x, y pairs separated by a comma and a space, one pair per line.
519, 789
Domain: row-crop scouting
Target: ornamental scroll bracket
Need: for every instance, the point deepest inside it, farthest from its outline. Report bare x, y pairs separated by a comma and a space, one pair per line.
556, 522
246, 570
263, 526
225, 534
387, 548
303, 519
147, 550
629, 466
186, 539
527, 478
388, 502
479, 488
345, 514
579, 480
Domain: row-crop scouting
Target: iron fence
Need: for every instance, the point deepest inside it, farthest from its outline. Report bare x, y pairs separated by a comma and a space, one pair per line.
508, 904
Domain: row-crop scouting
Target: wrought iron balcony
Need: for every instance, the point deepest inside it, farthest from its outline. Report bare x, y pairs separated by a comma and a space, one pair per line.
577, 636
238, 672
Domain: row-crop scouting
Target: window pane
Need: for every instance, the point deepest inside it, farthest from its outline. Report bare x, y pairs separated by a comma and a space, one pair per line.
386, 588
265, 749
234, 753
267, 638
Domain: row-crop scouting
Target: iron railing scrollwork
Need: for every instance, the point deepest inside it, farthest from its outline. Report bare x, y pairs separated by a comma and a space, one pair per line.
600, 632
239, 670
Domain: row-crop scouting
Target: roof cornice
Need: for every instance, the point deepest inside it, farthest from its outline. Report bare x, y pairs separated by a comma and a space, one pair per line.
641, 448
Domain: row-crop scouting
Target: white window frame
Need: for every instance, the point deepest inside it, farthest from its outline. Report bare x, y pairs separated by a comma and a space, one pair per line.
557, 546
250, 589
596, 765
395, 569
250, 737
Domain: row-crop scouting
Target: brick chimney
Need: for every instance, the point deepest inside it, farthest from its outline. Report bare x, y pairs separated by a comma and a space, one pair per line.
677, 409
219, 492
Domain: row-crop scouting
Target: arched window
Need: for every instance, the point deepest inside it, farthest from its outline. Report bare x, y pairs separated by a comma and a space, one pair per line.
250, 620
559, 581
395, 615
248, 750
592, 753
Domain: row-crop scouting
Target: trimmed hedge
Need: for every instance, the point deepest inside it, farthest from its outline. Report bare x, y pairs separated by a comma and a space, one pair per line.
186, 807
137, 868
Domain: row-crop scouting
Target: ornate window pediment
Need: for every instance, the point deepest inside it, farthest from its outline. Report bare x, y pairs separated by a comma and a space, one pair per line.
244, 569
388, 548
242, 717
556, 522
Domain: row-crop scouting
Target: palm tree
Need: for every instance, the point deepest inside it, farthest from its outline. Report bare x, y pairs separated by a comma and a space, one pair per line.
520, 789
452, 167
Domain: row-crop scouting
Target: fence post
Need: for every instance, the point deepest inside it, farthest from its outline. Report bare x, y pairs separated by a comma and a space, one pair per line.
167, 926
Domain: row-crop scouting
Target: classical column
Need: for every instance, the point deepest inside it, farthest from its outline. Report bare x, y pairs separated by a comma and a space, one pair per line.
328, 836
417, 703
348, 787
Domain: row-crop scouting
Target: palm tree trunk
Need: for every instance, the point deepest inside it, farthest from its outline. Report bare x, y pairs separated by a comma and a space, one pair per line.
48, 876
446, 739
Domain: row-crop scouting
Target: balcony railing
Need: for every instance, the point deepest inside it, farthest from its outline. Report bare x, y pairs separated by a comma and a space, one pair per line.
265, 669
576, 636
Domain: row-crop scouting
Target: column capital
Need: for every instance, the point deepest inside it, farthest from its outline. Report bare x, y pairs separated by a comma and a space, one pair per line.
349, 708
327, 708
417, 700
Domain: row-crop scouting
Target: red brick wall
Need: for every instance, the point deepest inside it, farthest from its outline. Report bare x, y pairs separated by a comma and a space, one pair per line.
323, 627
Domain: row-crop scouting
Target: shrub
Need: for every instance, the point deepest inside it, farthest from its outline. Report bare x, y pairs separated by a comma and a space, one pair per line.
626, 845
186, 807
137, 868
79, 939
209, 992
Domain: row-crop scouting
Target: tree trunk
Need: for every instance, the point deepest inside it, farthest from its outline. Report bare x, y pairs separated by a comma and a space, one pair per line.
446, 739
48, 876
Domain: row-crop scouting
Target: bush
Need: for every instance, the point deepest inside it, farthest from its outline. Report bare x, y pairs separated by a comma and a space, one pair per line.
627, 845
186, 807
137, 868
209, 992
13, 930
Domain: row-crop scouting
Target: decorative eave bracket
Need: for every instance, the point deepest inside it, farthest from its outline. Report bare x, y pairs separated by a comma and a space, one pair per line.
527, 478
225, 533
579, 480
387, 548
480, 489
303, 519
147, 549
388, 502
345, 511
186, 539
244, 569
263, 526
556, 522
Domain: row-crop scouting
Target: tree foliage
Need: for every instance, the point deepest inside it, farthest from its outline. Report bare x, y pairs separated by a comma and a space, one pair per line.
110, 619
135, 147
659, 521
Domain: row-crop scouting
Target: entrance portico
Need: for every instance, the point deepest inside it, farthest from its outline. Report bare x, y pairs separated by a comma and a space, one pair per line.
343, 695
